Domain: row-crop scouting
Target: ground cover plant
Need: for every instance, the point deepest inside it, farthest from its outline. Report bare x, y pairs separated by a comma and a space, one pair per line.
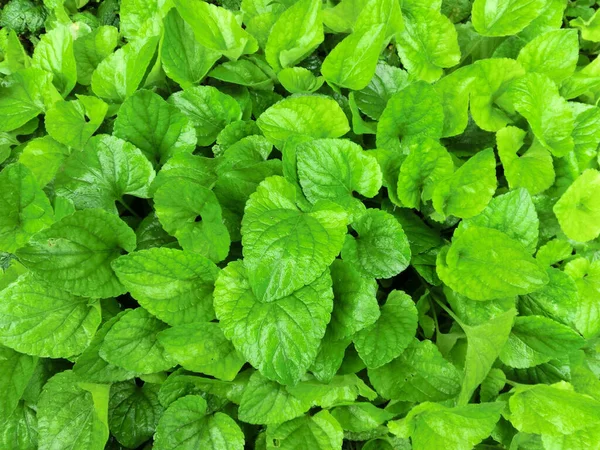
299, 224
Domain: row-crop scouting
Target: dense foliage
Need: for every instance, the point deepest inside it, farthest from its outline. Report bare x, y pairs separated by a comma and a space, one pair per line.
299, 224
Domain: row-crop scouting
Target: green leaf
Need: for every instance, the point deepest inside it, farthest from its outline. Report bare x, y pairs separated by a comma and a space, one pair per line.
504, 17
413, 112
381, 249
241, 168
73, 414
352, 63
285, 248
268, 402
552, 410
532, 170
16, 370
132, 343
139, 18
242, 72
120, 74
536, 339
386, 81
485, 264
91, 367
107, 169
454, 91
360, 417
20, 429
295, 34
157, 128
90, 49
202, 347
426, 375
467, 191
488, 99
428, 44
184, 59
133, 412
320, 431
391, 334
281, 338
341, 389
460, 428
558, 300
208, 109
185, 426
191, 213
355, 301
24, 95
587, 278
75, 253
216, 28
578, 210
427, 163
40, 320
303, 116
298, 80
553, 54
332, 169
512, 213
175, 286
536, 98
73, 123
54, 53
329, 357
589, 28
24, 208
484, 343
